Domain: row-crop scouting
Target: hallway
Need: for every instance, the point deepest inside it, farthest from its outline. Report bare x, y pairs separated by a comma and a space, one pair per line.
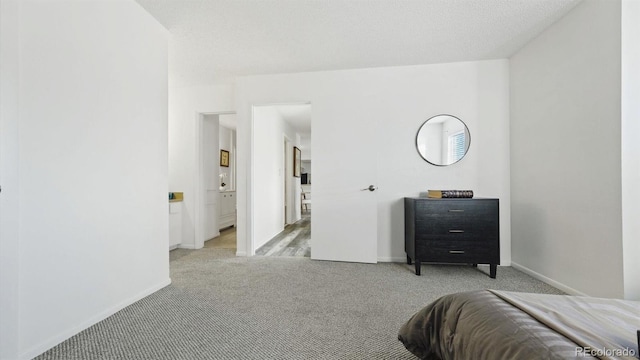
294, 240
226, 240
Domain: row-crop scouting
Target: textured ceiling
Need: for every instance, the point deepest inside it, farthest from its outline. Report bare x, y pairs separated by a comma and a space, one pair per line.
214, 41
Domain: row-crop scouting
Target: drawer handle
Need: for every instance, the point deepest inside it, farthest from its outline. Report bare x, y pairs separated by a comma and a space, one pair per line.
456, 210
456, 231
456, 251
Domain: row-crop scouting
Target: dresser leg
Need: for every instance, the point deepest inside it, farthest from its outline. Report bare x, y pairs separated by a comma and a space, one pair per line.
492, 270
408, 260
474, 265
417, 267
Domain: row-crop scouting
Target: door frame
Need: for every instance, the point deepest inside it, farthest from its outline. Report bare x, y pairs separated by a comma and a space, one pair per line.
199, 193
251, 214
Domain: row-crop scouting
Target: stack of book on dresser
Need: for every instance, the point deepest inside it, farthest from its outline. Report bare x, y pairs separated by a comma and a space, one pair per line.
446, 194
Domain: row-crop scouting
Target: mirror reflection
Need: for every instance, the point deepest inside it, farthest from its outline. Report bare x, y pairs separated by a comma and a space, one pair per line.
443, 140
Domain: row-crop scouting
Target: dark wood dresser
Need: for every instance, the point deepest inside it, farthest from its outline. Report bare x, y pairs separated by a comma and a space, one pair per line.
452, 231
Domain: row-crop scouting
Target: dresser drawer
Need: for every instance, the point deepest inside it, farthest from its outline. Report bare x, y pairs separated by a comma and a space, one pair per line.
458, 228
449, 208
457, 252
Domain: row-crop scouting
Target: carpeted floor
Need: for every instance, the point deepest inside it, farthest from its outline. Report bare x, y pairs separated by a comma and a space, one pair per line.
223, 307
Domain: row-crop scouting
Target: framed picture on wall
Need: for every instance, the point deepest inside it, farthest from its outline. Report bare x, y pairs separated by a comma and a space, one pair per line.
224, 158
296, 161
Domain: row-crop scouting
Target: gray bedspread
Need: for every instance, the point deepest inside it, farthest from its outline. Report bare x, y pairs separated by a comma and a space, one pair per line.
503, 325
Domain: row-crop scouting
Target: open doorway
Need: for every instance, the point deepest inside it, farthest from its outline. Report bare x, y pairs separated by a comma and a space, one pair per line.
216, 188
281, 133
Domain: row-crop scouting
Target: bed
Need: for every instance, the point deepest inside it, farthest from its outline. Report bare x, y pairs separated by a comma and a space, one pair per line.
490, 324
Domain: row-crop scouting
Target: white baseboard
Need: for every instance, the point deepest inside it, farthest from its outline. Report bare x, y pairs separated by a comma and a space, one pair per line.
214, 236
241, 253
39, 349
569, 290
393, 259
187, 246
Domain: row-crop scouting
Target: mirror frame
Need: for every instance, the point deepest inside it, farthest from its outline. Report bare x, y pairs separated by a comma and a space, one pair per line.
467, 131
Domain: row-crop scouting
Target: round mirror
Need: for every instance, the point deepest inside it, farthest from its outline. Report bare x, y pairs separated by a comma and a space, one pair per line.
443, 140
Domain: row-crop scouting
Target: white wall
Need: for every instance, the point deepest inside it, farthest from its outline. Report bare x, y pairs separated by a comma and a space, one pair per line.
185, 106
631, 147
566, 152
476, 92
210, 182
91, 205
305, 147
268, 203
9, 179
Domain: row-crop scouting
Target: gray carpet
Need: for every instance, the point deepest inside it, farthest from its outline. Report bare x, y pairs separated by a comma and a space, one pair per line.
222, 307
